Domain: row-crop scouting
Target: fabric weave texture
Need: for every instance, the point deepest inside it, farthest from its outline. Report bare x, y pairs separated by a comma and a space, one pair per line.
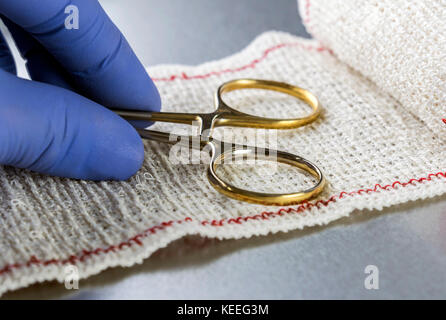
379, 141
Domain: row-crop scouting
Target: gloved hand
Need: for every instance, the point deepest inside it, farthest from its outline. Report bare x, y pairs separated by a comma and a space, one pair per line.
57, 124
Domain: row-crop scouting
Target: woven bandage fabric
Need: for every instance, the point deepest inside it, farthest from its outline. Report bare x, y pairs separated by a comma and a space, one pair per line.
400, 45
374, 150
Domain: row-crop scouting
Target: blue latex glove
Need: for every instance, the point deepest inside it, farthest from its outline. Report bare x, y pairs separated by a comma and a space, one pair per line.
57, 124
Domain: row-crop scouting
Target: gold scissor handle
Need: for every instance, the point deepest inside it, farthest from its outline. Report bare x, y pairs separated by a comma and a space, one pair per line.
224, 115
227, 116
278, 199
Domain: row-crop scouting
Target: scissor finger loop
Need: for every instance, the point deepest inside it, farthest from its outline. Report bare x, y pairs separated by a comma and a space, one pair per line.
224, 115
228, 116
245, 153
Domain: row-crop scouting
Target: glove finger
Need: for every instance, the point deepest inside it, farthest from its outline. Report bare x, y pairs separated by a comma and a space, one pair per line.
97, 56
55, 131
40, 64
6, 60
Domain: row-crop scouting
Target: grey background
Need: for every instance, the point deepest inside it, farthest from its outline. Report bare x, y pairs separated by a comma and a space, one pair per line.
407, 243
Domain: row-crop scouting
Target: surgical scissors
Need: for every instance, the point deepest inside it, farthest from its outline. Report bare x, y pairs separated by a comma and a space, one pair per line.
224, 115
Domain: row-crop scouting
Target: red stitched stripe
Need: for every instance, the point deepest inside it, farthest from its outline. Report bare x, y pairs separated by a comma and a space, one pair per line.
218, 223
444, 120
251, 65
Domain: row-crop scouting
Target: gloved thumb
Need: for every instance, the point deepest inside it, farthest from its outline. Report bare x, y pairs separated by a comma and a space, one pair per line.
54, 131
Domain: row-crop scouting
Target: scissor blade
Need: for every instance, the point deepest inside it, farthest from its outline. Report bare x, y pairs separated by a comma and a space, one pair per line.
134, 115
171, 117
192, 142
